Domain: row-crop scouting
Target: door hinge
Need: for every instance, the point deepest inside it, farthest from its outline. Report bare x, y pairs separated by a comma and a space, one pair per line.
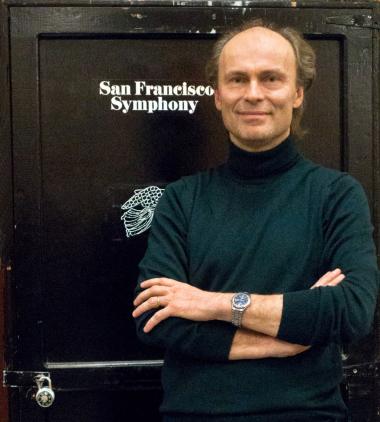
357, 21
364, 371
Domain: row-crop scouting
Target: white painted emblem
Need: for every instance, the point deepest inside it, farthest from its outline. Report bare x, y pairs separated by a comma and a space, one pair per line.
139, 210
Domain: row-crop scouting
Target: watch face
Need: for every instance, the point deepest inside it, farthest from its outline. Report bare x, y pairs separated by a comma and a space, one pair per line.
241, 300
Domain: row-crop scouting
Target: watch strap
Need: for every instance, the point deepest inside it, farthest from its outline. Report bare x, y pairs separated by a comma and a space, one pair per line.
237, 316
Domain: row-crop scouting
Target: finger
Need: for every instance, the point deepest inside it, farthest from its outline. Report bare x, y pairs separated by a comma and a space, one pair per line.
158, 316
330, 275
333, 282
336, 280
148, 305
321, 280
326, 278
148, 293
162, 281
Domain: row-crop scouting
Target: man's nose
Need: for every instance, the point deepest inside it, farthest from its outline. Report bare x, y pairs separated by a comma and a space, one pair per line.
254, 91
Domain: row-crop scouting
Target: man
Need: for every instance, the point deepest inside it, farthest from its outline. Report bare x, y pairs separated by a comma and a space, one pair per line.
257, 271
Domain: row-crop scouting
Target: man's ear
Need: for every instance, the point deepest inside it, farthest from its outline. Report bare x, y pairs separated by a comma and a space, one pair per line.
218, 104
298, 100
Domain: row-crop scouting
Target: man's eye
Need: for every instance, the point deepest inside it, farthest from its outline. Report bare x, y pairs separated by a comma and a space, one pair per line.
237, 79
271, 78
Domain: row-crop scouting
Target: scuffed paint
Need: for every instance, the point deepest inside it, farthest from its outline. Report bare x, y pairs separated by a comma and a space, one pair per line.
138, 16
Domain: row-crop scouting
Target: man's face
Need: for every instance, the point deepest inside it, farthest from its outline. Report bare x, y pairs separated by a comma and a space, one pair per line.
257, 89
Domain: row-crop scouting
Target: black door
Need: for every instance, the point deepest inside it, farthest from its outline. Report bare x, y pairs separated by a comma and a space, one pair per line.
109, 103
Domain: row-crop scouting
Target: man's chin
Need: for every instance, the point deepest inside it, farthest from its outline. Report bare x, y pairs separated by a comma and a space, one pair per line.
256, 143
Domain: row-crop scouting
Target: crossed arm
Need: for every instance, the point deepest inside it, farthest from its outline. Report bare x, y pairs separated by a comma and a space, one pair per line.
257, 337
274, 325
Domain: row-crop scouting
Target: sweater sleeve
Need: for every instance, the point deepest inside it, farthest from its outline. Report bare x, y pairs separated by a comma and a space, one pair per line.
345, 312
166, 256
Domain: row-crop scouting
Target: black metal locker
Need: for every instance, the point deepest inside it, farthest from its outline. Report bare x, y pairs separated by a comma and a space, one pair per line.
78, 153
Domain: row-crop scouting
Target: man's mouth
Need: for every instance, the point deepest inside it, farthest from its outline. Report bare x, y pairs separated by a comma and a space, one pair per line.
253, 113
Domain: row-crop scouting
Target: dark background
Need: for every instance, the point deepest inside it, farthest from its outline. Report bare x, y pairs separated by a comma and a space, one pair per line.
69, 163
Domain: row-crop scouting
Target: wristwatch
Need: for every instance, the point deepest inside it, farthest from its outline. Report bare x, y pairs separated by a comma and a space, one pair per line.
239, 303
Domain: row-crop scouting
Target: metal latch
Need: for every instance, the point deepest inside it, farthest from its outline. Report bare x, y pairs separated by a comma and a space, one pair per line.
358, 21
44, 395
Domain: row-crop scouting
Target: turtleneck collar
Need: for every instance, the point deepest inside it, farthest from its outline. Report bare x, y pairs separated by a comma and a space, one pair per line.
260, 165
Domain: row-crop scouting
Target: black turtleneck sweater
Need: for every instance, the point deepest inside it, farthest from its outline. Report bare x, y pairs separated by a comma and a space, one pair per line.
268, 222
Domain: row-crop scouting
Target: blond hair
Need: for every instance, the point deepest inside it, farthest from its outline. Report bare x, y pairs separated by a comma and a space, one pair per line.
304, 55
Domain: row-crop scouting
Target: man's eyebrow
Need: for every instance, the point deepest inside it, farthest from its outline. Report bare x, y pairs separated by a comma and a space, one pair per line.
273, 70
235, 73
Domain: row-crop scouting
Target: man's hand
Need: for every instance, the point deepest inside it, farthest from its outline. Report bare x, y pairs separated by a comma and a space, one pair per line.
174, 298
248, 344
330, 279
265, 313
178, 299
